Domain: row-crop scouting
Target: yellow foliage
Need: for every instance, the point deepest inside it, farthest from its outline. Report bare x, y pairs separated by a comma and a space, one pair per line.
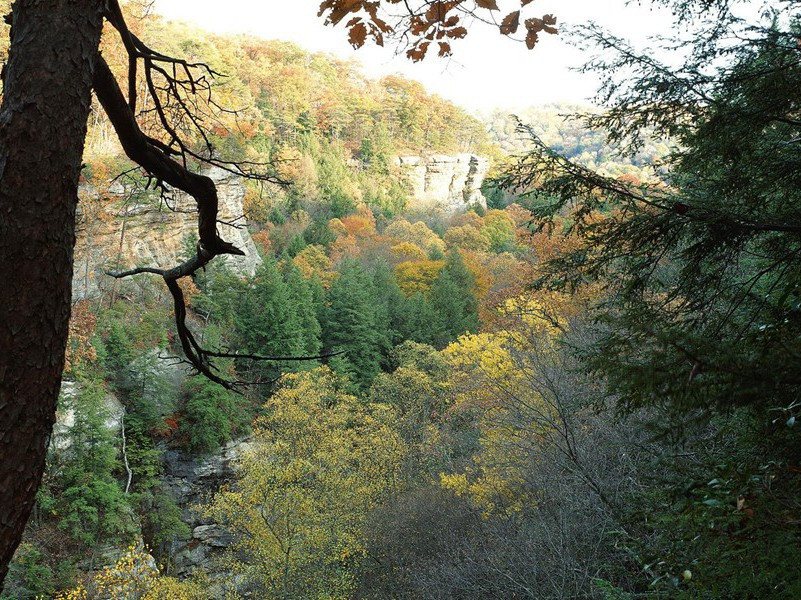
493, 374
418, 234
313, 262
321, 460
407, 251
417, 276
467, 237
337, 227
134, 577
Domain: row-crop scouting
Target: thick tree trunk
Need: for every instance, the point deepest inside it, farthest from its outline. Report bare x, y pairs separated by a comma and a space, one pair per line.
47, 92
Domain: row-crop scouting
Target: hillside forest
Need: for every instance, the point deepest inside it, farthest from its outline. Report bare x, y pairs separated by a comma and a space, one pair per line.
582, 383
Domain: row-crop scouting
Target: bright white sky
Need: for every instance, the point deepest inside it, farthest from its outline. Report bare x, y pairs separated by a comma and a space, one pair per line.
487, 70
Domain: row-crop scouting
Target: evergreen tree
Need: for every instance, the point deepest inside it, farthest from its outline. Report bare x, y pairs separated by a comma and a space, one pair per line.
212, 416
453, 301
268, 322
86, 495
221, 293
389, 301
351, 324
305, 298
417, 319
701, 278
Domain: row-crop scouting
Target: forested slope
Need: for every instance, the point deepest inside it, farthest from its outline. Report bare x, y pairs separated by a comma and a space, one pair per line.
561, 395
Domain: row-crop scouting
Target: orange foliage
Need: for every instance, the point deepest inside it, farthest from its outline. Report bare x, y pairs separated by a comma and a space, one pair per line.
362, 224
263, 241
481, 275
466, 218
189, 289
522, 216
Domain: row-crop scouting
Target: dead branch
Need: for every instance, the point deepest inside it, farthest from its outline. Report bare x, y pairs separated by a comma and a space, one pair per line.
167, 163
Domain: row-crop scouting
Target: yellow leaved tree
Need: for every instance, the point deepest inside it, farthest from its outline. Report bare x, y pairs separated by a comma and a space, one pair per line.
134, 577
321, 460
510, 379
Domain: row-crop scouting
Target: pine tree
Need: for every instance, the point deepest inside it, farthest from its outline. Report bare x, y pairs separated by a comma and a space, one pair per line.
88, 498
268, 322
305, 301
699, 270
417, 319
351, 324
454, 302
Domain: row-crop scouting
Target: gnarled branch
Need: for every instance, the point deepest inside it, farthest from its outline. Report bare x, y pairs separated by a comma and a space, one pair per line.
158, 159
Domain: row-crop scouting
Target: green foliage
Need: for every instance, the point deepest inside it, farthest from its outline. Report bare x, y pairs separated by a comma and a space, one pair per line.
275, 318
29, 576
353, 324
700, 276
221, 293
453, 300
717, 516
211, 416
87, 498
162, 521
499, 229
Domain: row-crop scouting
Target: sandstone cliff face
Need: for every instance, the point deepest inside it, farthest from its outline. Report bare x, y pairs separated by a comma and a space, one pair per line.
146, 234
450, 182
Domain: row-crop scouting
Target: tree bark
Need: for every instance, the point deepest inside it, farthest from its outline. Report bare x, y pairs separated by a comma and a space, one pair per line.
47, 93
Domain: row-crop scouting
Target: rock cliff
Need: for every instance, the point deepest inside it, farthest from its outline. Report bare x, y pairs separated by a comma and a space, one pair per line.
149, 234
450, 182
192, 481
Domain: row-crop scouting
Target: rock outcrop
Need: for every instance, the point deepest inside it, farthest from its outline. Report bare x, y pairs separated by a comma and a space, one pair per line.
452, 183
111, 410
150, 234
192, 481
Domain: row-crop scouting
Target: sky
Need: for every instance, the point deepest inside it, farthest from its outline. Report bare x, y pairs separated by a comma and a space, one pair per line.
487, 70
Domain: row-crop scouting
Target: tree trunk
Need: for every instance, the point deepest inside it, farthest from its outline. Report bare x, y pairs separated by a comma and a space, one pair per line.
47, 93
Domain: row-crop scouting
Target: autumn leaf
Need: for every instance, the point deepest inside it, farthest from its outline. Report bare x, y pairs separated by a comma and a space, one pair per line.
510, 23
357, 35
438, 11
488, 4
534, 26
545, 24
524, 2
531, 39
338, 9
457, 33
444, 49
418, 52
